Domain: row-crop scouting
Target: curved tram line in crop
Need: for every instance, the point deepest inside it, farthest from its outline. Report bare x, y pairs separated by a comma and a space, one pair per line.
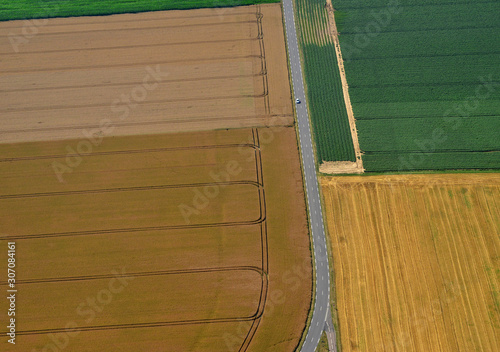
263, 270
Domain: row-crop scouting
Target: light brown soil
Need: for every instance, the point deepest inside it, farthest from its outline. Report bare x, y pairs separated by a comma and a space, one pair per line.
345, 90
237, 275
223, 68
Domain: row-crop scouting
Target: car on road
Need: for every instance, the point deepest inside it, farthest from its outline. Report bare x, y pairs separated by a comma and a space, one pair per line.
297, 101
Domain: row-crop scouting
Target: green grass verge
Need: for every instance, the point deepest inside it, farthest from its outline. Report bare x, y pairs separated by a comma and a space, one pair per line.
27, 9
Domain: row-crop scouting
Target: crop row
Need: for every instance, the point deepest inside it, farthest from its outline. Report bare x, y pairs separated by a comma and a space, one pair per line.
324, 88
420, 71
422, 93
26, 9
467, 107
430, 134
450, 15
443, 42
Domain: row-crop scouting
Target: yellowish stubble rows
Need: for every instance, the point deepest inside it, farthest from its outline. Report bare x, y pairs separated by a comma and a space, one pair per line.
417, 261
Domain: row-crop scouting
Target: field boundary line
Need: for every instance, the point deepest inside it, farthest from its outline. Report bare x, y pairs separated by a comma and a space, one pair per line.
140, 274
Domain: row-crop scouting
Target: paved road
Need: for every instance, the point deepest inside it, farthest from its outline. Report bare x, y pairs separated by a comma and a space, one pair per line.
321, 310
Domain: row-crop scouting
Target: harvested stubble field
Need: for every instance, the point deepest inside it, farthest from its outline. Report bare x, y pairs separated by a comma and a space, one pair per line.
160, 71
417, 261
332, 135
133, 240
203, 228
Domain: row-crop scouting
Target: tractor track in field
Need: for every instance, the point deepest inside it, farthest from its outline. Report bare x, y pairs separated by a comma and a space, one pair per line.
158, 122
128, 189
264, 246
261, 221
135, 64
252, 49
149, 102
132, 21
138, 46
132, 83
345, 88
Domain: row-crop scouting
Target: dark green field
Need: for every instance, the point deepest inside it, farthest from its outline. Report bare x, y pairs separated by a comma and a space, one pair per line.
26, 9
327, 108
424, 82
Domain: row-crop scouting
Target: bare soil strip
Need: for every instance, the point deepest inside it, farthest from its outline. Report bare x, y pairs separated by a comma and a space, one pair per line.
221, 278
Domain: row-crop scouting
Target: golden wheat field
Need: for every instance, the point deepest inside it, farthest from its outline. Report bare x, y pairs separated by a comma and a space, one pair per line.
417, 261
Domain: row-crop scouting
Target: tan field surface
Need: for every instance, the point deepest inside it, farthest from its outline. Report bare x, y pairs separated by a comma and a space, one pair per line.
417, 261
174, 242
145, 73
150, 179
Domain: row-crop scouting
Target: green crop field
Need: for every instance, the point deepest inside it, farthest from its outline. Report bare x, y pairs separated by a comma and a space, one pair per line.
27, 9
424, 82
324, 88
